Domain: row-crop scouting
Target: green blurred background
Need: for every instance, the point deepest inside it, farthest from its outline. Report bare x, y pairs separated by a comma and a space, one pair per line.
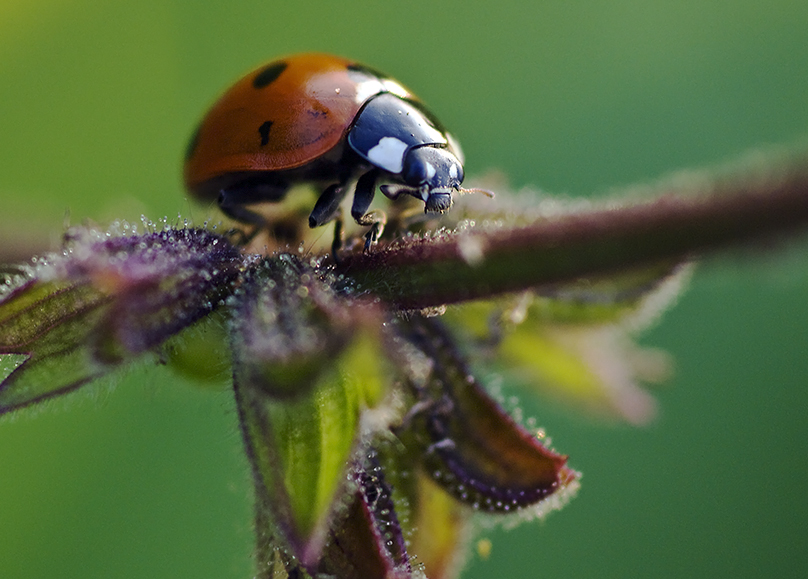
147, 479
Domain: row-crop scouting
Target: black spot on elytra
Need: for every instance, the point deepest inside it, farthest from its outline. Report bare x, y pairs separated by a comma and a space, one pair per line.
366, 71
263, 130
268, 74
192, 144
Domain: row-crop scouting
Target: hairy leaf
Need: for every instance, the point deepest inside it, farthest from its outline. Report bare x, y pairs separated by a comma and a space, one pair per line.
103, 301
469, 444
308, 369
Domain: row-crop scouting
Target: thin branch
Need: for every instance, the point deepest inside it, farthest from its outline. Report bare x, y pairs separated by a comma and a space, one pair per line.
482, 262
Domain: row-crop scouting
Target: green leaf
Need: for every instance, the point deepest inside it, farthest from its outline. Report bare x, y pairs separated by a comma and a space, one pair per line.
598, 369
309, 371
202, 352
442, 528
46, 324
105, 300
301, 449
573, 342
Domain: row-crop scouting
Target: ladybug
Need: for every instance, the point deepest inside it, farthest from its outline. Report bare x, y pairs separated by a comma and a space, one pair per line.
328, 121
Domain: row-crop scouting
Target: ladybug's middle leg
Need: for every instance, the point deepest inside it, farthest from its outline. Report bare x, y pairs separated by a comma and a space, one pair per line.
363, 197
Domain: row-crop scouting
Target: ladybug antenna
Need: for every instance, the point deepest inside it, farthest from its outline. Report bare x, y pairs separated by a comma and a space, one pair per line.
486, 192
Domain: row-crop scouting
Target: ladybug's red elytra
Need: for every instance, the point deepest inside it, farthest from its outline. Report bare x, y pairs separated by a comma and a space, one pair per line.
328, 121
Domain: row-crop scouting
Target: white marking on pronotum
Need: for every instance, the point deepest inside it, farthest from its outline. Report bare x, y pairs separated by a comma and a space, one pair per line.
430, 170
388, 154
453, 171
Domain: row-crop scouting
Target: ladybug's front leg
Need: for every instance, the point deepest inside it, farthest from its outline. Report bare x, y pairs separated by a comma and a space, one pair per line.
363, 197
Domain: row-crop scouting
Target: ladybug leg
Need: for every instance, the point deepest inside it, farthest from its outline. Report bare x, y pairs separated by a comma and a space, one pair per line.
363, 197
327, 206
336, 243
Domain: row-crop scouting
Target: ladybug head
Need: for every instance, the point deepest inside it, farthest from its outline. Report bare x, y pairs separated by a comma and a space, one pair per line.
434, 174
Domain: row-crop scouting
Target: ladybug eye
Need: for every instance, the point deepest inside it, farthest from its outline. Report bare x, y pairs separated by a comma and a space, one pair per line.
416, 171
421, 165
